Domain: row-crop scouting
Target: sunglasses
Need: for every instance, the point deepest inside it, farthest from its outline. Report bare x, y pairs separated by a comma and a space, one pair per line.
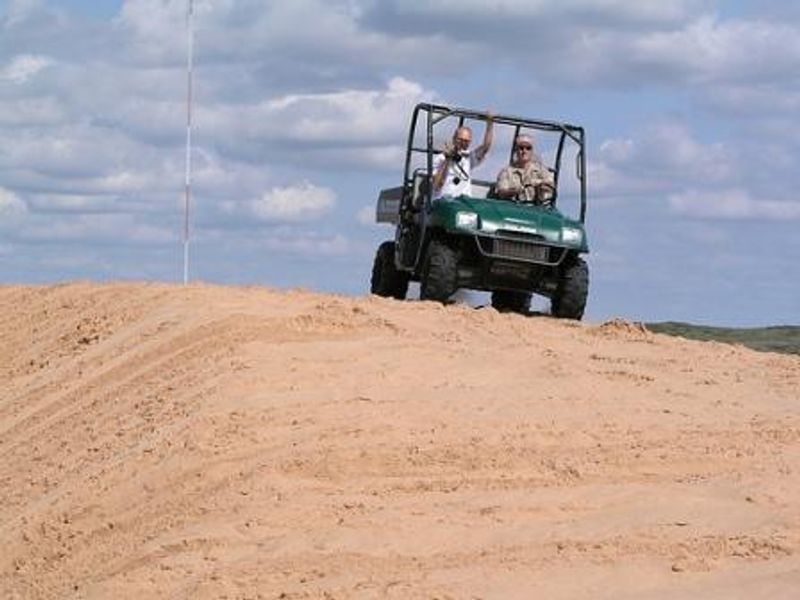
524, 147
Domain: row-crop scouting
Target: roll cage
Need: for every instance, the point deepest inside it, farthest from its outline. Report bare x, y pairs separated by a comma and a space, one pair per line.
432, 114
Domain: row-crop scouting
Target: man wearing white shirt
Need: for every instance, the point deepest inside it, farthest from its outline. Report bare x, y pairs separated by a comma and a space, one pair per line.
452, 169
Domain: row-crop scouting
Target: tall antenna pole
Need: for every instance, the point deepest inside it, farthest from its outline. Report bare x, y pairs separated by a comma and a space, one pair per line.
187, 195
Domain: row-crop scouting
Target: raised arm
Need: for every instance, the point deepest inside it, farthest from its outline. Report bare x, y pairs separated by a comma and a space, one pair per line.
488, 136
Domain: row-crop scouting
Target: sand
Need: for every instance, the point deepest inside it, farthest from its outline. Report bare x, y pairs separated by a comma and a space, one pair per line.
158, 441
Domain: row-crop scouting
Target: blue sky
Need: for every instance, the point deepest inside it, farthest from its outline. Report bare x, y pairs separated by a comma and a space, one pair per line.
691, 109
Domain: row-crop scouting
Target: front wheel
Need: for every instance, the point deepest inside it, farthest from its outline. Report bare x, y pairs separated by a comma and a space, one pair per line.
386, 280
569, 301
440, 272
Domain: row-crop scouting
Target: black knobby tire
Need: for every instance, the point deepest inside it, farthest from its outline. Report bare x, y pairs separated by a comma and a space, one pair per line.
440, 272
505, 300
386, 280
569, 301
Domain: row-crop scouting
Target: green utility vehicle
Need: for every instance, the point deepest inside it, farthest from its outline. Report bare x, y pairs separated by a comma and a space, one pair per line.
510, 248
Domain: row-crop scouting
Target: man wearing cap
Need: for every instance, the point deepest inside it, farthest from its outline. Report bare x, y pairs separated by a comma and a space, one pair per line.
526, 179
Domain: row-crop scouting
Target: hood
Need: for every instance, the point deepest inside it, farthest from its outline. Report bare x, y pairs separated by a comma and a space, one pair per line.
501, 214
495, 216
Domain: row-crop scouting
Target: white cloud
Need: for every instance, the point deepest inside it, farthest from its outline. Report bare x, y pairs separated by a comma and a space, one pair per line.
762, 109
617, 150
665, 11
19, 10
306, 244
298, 203
347, 128
157, 28
675, 146
343, 117
72, 203
86, 159
32, 112
731, 204
388, 157
348, 114
331, 45
705, 52
750, 98
23, 68
10, 203
710, 50
96, 228
661, 158
612, 43
366, 216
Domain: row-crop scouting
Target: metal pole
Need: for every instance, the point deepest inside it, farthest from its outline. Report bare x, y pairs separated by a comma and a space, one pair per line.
187, 195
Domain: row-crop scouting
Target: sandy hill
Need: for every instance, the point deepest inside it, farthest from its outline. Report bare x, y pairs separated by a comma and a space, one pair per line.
214, 442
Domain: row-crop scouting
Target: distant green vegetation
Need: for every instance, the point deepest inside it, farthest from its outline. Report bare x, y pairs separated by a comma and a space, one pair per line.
770, 339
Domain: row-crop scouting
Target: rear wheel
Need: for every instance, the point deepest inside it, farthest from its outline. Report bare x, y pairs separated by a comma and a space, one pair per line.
440, 272
569, 301
386, 280
504, 300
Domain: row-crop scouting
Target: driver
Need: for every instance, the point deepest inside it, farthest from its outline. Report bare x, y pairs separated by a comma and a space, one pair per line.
526, 179
452, 169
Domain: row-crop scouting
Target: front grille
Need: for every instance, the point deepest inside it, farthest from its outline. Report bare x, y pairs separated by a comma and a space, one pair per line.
520, 250
526, 247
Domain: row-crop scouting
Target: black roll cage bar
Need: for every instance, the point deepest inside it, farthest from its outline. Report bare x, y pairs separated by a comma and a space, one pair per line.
437, 112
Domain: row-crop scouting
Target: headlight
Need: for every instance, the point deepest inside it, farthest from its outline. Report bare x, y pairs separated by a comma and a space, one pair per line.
467, 220
570, 235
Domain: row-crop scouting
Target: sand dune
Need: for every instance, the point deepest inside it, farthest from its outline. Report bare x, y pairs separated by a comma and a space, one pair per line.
217, 442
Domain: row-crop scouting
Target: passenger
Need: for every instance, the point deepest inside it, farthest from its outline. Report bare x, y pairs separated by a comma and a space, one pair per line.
452, 169
526, 179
